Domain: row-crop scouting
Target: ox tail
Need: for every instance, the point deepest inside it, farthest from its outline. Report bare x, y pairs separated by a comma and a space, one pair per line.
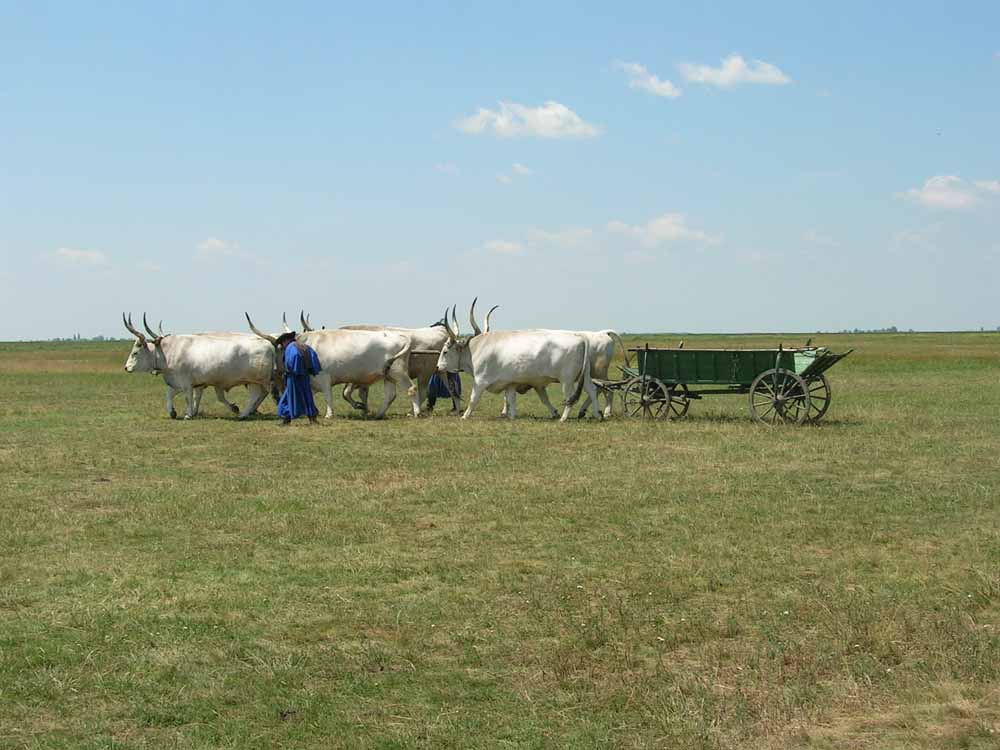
401, 353
584, 378
618, 340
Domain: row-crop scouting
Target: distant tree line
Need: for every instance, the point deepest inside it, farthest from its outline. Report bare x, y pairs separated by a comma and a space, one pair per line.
891, 329
78, 337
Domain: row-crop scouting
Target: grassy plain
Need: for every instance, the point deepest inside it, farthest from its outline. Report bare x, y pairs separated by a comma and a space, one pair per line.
710, 583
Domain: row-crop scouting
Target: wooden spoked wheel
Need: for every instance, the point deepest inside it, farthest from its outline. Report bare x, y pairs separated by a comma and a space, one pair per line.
779, 395
820, 394
646, 398
680, 402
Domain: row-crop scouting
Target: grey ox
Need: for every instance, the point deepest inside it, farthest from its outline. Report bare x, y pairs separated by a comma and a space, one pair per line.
602, 351
190, 362
357, 357
503, 361
423, 364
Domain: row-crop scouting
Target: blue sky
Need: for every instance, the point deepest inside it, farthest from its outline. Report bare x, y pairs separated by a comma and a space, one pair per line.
645, 167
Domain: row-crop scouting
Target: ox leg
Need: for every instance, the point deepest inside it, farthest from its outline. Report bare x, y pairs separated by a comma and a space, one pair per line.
255, 397
220, 394
543, 396
198, 393
348, 396
422, 393
189, 397
477, 393
389, 395
591, 391
510, 402
413, 391
171, 392
324, 383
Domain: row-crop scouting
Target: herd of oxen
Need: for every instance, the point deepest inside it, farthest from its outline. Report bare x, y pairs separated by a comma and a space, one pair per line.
508, 362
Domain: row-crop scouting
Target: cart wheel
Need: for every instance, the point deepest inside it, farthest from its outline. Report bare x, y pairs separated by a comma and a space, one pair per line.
779, 396
646, 398
819, 397
679, 402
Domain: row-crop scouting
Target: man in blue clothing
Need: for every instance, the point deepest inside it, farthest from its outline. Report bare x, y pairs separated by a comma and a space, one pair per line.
300, 363
440, 388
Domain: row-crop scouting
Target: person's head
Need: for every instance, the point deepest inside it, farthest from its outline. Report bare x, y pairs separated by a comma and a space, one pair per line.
285, 339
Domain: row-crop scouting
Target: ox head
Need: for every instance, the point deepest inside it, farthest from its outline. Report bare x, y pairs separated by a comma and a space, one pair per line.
455, 355
147, 354
279, 343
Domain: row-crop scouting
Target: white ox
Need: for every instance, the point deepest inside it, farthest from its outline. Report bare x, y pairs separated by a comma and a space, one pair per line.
190, 362
503, 361
422, 364
357, 357
602, 351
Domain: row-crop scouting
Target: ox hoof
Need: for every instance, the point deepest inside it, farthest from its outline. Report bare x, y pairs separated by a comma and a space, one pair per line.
234, 408
188, 416
173, 414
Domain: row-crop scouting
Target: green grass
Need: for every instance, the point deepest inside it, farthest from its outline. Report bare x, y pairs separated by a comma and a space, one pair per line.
431, 583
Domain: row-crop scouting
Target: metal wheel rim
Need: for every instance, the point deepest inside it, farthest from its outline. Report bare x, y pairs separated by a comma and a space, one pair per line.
820, 394
679, 402
646, 398
779, 396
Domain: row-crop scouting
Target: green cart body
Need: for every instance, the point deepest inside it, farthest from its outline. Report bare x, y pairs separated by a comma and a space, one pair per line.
784, 385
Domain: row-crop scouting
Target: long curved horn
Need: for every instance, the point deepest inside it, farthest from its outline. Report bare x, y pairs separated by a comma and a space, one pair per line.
454, 319
304, 320
150, 331
486, 328
260, 333
131, 328
472, 318
447, 326
160, 328
284, 323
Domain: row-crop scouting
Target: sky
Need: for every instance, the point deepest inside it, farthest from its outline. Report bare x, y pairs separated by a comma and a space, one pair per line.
646, 167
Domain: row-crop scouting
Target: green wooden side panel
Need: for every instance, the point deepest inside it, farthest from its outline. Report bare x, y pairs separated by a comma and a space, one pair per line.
710, 366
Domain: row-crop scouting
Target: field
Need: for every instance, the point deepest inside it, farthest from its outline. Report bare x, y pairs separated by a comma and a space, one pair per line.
710, 583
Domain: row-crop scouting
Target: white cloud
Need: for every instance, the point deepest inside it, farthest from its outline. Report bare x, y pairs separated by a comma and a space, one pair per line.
573, 237
214, 247
446, 168
550, 120
943, 191
504, 247
815, 238
733, 71
990, 186
641, 78
516, 170
666, 228
69, 256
